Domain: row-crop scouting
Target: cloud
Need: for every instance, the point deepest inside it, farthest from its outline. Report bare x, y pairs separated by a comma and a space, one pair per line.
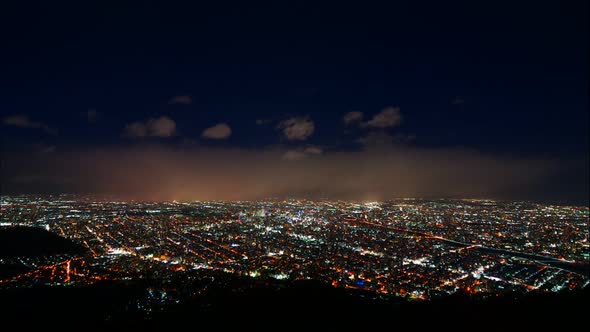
161, 127
297, 128
205, 173
181, 100
299, 154
387, 118
352, 117
219, 131
23, 121
92, 115
158, 127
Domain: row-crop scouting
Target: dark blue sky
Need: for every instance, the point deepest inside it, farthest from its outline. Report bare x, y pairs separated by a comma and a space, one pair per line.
506, 78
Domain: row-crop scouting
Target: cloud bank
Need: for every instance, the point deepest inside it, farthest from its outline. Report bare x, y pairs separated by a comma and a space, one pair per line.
375, 173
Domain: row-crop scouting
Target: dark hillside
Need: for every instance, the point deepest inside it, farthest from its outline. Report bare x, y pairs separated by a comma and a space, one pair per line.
34, 242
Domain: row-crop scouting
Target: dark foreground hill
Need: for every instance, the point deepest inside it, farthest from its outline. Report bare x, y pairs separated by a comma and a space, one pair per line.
31, 243
306, 304
270, 306
34, 242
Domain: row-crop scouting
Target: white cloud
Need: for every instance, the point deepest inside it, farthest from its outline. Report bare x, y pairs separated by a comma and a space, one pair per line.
219, 131
181, 100
297, 129
159, 127
387, 118
352, 117
23, 121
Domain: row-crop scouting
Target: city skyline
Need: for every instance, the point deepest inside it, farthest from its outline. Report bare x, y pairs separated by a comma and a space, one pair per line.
117, 262
410, 248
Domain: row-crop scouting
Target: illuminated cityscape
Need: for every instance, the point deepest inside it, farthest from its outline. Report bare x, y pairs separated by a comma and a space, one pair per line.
408, 248
211, 165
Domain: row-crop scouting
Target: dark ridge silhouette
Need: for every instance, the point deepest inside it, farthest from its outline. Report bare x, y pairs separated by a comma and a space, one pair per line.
67, 307
8, 270
35, 242
239, 302
31, 242
306, 303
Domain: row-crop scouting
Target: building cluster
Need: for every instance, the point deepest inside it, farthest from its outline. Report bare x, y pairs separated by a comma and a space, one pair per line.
408, 248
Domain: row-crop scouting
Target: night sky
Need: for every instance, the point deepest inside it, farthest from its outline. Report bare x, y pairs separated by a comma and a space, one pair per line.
164, 101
